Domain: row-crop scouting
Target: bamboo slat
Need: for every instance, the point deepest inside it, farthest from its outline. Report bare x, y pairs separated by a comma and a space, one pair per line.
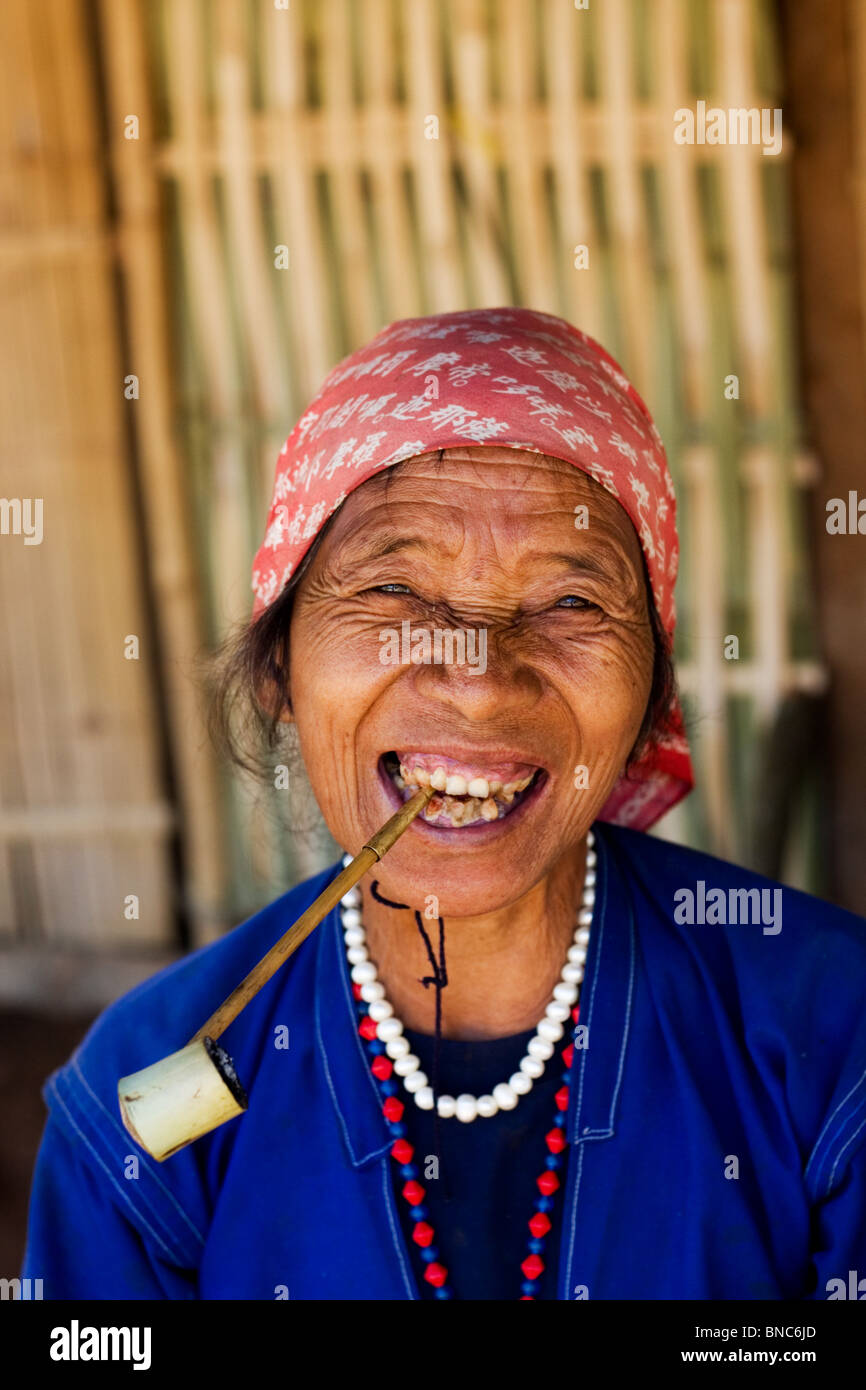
254, 271
744, 677
351, 139
296, 213
629, 235
682, 220
571, 162
226, 519
43, 823
526, 158
691, 297
479, 153
746, 235
387, 165
700, 469
171, 562
434, 189
227, 523
348, 214
58, 670
760, 469
252, 260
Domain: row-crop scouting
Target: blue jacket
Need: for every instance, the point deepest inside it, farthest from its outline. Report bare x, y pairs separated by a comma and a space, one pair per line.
717, 1117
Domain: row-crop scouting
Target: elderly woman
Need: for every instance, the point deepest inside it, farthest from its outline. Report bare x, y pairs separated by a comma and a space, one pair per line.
537, 1053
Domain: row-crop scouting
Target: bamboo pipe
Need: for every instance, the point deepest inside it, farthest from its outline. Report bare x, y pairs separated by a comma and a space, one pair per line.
189, 1093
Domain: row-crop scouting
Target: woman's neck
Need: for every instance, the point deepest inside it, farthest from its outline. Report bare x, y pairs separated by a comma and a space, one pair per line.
501, 967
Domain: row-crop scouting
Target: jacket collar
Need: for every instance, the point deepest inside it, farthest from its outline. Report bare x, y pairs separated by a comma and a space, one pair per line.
606, 1014
341, 1049
607, 996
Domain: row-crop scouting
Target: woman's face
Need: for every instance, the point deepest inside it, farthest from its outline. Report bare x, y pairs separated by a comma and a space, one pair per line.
557, 658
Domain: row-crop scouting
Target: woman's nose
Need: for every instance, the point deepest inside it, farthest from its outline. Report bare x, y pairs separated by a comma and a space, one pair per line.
483, 676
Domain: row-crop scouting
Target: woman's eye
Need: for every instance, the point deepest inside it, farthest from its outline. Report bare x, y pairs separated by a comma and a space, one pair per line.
575, 601
391, 589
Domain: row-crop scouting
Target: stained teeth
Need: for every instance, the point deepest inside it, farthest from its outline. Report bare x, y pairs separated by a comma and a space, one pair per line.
481, 797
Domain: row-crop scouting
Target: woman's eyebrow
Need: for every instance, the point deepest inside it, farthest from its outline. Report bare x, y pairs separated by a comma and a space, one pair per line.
578, 564
363, 551
393, 544
397, 543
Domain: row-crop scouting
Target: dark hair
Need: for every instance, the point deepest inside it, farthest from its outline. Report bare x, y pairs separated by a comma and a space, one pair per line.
250, 687
254, 659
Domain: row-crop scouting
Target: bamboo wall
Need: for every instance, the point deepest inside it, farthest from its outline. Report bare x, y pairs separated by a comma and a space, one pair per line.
85, 820
308, 127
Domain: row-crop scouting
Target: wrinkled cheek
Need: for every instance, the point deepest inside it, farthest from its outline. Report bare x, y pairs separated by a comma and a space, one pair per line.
334, 682
609, 695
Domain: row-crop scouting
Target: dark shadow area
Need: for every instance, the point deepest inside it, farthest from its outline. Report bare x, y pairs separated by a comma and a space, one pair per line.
31, 1047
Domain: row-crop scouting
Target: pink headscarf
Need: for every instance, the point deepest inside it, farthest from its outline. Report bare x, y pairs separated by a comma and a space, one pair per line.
507, 376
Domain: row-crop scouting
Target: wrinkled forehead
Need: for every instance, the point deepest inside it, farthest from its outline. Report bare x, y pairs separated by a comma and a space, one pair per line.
485, 492
493, 466
517, 479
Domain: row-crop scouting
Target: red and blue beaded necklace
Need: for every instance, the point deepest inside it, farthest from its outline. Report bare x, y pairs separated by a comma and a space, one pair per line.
392, 1062
548, 1181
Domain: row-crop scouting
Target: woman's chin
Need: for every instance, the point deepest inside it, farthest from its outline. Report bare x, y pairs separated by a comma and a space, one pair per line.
456, 875
447, 895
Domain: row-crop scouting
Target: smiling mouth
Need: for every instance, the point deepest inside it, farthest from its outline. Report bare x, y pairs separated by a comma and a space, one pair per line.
462, 798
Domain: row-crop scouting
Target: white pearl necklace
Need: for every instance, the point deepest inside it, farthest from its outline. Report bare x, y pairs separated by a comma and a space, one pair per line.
550, 1028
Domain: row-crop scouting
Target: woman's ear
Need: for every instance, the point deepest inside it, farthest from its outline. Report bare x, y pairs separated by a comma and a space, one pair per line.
274, 700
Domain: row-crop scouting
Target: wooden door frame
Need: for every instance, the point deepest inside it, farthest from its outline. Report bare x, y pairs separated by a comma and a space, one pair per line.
824, 53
